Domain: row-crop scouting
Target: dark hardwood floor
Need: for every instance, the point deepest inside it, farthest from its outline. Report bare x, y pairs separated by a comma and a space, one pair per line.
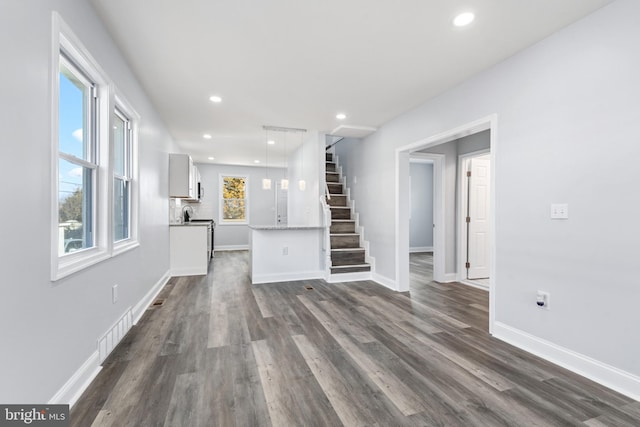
221, 352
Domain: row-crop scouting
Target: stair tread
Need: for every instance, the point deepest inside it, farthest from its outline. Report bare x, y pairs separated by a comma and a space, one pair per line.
343, 220
348, 250
344, 234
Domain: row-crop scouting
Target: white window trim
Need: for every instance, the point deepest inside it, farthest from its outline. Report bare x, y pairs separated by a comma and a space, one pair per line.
132, 242
108, 98
221, 199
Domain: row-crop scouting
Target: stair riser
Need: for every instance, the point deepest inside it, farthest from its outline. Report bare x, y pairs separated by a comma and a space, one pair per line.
340, 214
334, 188
350, 270
343, 227
331, 167
342, 242
338, 200
329, 157
347, 258
332, 177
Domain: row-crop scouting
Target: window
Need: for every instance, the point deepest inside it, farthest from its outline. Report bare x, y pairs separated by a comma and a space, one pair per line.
121, 177
93, 161
77, 159
124, 124
234, 200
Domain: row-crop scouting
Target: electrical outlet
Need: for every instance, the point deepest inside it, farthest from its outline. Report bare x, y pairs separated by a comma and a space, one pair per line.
543, 300
114, 294
559, 211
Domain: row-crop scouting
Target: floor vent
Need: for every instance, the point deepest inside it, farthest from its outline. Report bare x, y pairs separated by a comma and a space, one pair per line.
309, 288
114, 335
157, 303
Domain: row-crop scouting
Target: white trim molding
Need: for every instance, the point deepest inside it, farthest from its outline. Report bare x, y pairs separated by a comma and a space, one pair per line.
418, 249
142, 305
288, 277
71, 391
224, 248
609, 376
385, 281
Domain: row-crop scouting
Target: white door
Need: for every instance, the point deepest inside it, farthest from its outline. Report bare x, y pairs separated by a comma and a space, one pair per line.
478, 218
281, 205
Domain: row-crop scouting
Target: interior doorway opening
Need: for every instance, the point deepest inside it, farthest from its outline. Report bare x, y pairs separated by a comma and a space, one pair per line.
446, 256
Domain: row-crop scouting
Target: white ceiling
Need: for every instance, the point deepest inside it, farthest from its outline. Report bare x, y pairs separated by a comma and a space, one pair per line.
297, 63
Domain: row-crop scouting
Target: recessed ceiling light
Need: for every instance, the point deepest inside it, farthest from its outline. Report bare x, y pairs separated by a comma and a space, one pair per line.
256, 161
464, 19
341, 116
206, 136
211, 158
215, 99
271, 142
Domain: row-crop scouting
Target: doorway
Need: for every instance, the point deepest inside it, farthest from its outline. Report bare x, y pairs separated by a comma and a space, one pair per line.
442, 246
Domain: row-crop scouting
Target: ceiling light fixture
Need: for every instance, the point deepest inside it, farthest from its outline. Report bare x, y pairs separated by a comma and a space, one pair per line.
256, 161
271, 142
215, 99
206, 136
464, 19
341, 116
211, 158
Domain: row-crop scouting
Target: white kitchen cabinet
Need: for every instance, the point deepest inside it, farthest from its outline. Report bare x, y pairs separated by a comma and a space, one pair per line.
189, 249
183, 177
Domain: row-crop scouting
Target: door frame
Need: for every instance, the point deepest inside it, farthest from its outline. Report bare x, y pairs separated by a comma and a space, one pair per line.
402, 201
461, 213
438, 212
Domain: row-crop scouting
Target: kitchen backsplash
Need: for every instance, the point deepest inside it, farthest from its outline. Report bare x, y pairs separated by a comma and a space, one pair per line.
200, 210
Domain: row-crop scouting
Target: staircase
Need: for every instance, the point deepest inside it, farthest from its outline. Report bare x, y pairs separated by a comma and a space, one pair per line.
347, 256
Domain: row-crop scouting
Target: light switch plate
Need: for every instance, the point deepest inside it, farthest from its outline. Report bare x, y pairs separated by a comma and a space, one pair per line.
559, 211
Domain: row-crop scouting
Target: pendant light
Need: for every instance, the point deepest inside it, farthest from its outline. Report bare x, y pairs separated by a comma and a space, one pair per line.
266, 182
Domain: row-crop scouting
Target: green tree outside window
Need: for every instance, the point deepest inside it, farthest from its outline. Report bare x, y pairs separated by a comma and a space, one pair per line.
234, 190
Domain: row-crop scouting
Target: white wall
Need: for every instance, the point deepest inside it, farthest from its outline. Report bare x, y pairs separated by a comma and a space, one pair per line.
567, 112
50, 329
261, 202
421, 221
306, 163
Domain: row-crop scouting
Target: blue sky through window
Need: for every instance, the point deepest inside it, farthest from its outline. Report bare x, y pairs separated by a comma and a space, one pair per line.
70, 137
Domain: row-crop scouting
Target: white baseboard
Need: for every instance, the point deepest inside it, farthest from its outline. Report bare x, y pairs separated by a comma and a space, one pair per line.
609, 376
421, 249
475, 285
79, 381
231, 248
384, 281
448, 278
287, 277
145, 302
189, 271
349, 277
71, 391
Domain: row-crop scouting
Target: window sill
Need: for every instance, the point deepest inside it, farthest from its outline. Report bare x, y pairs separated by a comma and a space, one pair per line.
233, 223
124, 246
70, 264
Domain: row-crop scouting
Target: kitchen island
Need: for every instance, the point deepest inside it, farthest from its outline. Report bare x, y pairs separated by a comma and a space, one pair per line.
286, 253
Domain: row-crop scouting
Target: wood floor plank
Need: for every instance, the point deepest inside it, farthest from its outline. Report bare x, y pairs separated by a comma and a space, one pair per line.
222, 352
403, 397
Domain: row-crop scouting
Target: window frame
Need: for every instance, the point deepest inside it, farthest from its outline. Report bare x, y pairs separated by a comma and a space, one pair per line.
221, 200
124, 109
67, 49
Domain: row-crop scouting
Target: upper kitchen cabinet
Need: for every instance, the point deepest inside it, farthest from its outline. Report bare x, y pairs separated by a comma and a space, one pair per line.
184, 178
